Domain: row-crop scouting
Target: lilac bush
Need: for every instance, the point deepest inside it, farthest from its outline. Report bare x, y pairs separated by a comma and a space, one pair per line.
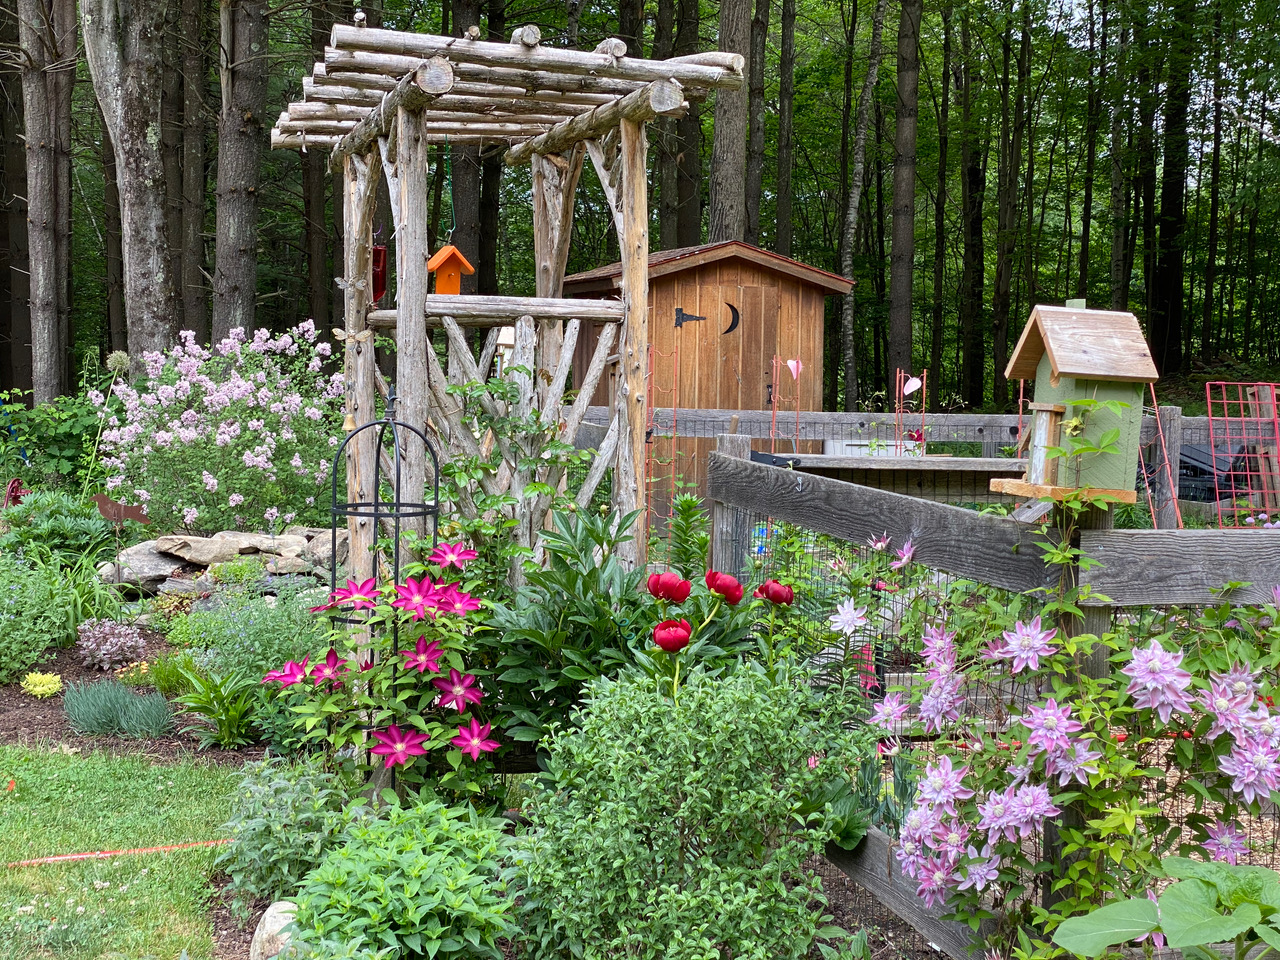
235, 437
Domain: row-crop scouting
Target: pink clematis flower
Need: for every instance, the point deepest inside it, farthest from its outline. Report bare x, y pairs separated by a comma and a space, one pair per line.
423, 657
360, 596
452, 555
399, 746
474, 739
417, 597
330, 669
289, 674
458, 690
452, 600
904, 556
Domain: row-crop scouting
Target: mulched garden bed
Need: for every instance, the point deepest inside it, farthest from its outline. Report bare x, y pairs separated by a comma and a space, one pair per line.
854, 908
231, 941
28, 721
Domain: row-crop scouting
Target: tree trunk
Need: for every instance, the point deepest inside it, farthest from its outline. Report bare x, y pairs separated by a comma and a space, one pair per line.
848, 335
195, 178
1119, 206
664, 139
688, 137
973, 188
1165, 332
940, 209
15, 372
786, 127
491, 166
729, 143
171, 138
1009, 167
630, 26
1211, 255
241, 132
756, 120
117, 336
1090, 162
465, 162
315, 232
902, 254
123, 48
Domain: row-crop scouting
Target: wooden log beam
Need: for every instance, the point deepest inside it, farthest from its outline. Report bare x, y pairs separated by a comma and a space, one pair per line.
320, 128
714, 70
429, 80
316, 92
488, 311
311, 110
662, 98
302, 141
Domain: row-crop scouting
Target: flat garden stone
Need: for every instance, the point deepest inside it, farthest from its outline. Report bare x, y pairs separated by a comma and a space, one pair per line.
141, 565
179, 586
271, 937
282, 565
262, 542
199, 550
320, 550
309, 533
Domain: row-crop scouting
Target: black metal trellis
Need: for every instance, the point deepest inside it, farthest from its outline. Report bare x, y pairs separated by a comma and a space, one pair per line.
397, 510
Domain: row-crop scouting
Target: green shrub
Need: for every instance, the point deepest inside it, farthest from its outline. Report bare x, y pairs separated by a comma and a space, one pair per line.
168, 609
245, 572
60, 524
108, 707
28, 625
422, 880
679, 829
49, 444
287, 817
225, 706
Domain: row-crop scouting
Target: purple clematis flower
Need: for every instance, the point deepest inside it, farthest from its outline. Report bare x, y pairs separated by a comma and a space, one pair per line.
1157, 682
889, 712
1049, 727
904, 556
1226, 842
943, 785
1026, 643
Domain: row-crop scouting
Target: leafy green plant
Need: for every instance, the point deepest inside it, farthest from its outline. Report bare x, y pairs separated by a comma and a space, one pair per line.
245, 572
48, 444
712, 800
689, 537
166, 609
287, 816
1210, 903
168, 673
41, 685
62, 525
225, 706
29, 621
108, 707
424, 881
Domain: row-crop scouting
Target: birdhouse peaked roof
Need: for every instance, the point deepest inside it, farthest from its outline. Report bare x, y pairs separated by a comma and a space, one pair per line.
1088, 344
664, 262
447, 253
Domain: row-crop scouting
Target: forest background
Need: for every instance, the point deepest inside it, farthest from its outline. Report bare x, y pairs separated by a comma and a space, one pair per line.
960, 161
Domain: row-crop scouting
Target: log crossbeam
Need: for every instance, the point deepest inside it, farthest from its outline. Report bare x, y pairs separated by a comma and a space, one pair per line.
488, 311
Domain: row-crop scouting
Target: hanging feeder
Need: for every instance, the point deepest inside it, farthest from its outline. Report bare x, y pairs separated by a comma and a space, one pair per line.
378, 262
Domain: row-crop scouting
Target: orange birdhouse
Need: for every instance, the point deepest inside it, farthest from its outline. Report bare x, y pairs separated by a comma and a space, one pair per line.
449, 266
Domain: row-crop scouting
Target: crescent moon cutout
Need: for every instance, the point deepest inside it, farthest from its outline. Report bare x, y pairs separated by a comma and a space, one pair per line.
734, 311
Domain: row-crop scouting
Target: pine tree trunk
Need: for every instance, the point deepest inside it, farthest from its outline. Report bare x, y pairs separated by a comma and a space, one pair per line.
1090, 162
15, 363
729, 143
1007, 191
688, 137
630, 26
1211, 255
973, 188
756, 120
666, 150
123, 48
786, 126
491, 167
117, 335
848, 333
241, 137
194, 294
315, 232
940, 210
1119, 205
902, 253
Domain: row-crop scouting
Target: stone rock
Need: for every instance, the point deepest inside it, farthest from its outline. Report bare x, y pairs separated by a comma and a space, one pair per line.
203, 551
178, 585
320, 550
308, 533
270, 938
142, 566
283, 565
261, 542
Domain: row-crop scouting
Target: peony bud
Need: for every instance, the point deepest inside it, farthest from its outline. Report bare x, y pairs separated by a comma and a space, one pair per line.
726, 586
672, 635
775, 592
669, 586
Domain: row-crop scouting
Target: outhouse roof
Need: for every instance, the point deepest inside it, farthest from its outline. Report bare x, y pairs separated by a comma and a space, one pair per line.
1090, 344
664, 262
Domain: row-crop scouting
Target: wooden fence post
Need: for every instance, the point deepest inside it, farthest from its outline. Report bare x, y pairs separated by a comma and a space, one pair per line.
1164, 485
728, 541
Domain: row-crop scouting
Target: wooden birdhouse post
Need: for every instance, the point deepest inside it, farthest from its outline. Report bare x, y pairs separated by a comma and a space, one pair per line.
449, 266
1090, 369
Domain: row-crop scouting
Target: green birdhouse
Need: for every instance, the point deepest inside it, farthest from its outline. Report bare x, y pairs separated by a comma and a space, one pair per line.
1091, 368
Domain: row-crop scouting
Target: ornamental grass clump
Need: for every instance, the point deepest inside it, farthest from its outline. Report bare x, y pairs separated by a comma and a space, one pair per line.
678, 827
109, 708
106, 645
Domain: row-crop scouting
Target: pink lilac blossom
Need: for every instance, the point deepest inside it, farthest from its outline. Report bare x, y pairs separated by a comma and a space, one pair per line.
1157, 681
1226, 842
189, 516
1025, 644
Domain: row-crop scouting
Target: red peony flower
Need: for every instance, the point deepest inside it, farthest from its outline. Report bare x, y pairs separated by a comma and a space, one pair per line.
669, 586
672, 635
726, 586
775, 592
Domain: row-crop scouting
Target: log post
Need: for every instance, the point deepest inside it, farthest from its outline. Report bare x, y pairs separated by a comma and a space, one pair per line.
360, 197
555, 179
1164, 485
728, 538
412, 390
629, 472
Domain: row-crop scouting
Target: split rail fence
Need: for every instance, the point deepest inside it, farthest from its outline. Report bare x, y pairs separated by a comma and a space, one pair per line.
1135, 569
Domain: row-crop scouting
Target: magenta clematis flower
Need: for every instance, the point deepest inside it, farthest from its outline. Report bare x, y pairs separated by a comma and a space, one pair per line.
399, 746
418, 597
1026, 643
452, 555
360, 596
904, 556
911, 855
941, 703
1226, 842
1049, 726
423, 657
942, 785
330, 669
949, 838
289, 674
1230, 710
1157, 939
889, 712
1158, 683
937, 877
458, 690
1077, 763
994, 814
453, 600
474, 739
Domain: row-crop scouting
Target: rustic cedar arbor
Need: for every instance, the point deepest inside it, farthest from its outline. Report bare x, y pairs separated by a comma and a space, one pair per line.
378, 101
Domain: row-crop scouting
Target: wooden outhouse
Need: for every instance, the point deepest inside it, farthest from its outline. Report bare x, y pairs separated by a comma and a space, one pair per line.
731, 327
1091, 369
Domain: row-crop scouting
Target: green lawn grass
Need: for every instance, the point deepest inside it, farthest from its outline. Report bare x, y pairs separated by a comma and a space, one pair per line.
134, 907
